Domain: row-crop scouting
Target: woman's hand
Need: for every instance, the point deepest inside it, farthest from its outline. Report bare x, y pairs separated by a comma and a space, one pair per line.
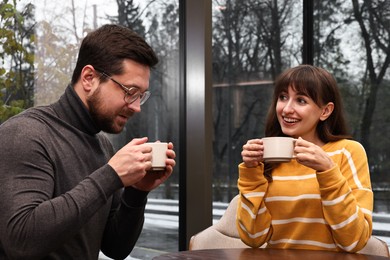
252, 153
312, 156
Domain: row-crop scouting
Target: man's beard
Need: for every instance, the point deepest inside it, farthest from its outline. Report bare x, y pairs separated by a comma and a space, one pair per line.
105, 122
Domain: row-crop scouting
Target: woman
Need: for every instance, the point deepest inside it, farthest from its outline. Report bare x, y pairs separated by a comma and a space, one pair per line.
320, 200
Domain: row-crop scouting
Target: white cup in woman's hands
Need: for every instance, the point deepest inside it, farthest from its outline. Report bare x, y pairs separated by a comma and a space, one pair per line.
278, 149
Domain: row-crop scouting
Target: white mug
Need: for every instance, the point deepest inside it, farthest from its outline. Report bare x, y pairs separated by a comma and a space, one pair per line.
278, 149
159, 155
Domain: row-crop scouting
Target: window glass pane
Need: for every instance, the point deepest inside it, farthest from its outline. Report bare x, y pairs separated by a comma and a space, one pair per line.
253, 41
351, 40
159, 120
50, 34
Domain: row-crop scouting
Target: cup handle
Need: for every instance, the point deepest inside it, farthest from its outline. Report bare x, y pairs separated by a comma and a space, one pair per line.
294, 155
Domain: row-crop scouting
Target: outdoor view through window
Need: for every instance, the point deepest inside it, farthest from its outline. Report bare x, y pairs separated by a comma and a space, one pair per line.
253, 41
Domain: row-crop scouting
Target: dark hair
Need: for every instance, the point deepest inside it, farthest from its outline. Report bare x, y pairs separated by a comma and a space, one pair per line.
107, 47
319, 85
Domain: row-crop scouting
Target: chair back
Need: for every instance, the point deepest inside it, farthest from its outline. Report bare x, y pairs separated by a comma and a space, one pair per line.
222, 234
375, 246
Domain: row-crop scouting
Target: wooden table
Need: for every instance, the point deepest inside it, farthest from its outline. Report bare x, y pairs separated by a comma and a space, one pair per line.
258, 253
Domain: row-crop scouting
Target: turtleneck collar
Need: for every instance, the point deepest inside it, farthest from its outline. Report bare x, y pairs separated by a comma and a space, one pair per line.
72, 110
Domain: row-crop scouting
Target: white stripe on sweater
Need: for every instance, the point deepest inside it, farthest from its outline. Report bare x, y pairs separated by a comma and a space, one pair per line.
258, 234
303, 220
348, 248
294, 178
244, 206
351, 165
335, 201
254, 194
366, 211
302, 242
347, 221
253, 216
293, 198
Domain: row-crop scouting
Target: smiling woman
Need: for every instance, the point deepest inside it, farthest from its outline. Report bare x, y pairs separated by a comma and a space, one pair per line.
326, 186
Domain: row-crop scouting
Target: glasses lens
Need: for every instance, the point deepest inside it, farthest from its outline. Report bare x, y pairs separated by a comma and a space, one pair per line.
144, 97
132, 96
133, 92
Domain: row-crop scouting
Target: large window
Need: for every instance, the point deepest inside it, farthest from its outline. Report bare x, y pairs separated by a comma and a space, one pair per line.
40, 51
252, 42
352, 40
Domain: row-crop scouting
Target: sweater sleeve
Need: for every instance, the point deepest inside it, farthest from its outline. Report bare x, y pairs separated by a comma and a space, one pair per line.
126, 218
347, 198
124, 224
34, 221
253, 218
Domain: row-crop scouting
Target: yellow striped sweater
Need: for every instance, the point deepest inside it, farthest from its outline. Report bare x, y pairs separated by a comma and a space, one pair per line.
304, 209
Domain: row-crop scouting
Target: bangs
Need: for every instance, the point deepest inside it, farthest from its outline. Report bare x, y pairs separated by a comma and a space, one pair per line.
303, 81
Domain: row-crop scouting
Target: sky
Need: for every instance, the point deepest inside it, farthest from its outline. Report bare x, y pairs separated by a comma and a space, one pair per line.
59, 12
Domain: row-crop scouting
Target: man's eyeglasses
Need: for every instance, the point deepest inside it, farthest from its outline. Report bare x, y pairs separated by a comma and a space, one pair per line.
132, 93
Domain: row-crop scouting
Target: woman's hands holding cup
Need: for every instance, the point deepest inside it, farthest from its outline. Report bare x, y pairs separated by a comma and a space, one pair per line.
312, 155
252, 153
305, 152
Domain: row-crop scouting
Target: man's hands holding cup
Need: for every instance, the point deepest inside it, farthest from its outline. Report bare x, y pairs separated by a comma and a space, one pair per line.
134, 161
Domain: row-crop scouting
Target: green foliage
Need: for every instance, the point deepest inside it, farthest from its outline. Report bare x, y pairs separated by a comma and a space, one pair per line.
9, 111
16, 69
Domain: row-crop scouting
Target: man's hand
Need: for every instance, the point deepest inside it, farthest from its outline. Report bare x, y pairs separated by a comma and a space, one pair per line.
154, 178
132, 161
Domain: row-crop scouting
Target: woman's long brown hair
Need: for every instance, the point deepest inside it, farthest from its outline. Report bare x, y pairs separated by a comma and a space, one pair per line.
319, 85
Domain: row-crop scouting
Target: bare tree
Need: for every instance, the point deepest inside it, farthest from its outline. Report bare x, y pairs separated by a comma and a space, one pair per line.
158, 23
373, 18
249, 45
129, 16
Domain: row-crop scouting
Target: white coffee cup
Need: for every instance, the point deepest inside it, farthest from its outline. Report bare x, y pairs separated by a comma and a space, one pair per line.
278, 149
159, 155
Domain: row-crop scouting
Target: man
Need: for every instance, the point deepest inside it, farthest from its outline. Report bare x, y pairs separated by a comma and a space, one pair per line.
64, 193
